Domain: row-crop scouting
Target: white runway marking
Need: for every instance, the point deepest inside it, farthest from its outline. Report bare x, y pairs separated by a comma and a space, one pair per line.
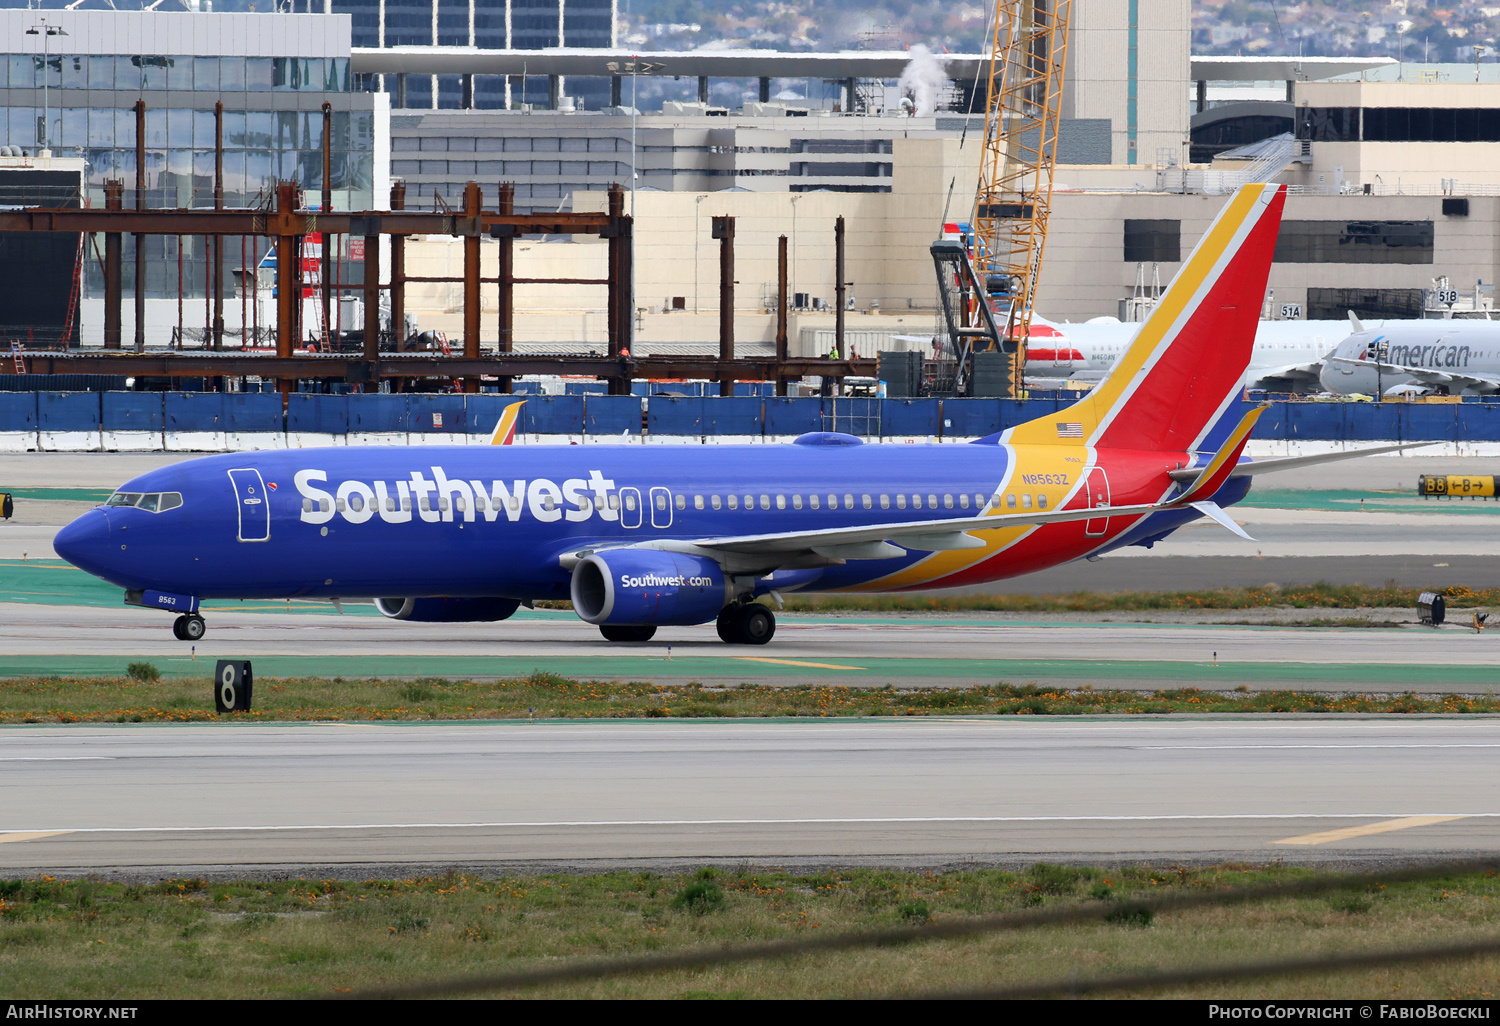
539, 824
1220, 748
57, 758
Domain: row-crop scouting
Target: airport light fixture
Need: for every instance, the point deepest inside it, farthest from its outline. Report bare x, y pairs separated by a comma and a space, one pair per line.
46, 32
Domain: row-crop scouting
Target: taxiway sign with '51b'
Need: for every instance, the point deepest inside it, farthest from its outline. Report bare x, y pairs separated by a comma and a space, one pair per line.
644, 536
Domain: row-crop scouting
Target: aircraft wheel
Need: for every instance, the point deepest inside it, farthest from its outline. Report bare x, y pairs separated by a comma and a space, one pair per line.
177, 627
757, 625
628, 632
193, 627
728, 625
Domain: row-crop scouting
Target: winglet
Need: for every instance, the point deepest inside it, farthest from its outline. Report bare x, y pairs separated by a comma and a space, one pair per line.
505, 431
1219, 469
1355, 323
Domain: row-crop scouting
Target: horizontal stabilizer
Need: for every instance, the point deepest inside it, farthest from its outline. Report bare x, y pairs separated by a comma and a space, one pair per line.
1216, 513
1293, 462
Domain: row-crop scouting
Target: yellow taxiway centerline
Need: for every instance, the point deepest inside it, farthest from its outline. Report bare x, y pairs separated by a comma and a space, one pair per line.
797, 662
1385, 826
30, 835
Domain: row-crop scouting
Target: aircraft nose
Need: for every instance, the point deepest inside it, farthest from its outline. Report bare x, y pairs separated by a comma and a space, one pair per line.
85, 542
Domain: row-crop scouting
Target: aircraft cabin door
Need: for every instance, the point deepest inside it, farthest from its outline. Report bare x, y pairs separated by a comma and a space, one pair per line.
253, 504
661, 508
630, 508
1096, 493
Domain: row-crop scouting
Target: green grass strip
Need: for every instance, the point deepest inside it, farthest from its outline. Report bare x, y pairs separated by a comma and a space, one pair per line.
195, 938
549, 696
1202, 672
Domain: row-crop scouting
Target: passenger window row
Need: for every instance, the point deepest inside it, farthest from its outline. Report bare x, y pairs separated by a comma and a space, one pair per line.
847, 501
549, 503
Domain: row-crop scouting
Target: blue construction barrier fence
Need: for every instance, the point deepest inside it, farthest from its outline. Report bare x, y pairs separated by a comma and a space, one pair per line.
677, 416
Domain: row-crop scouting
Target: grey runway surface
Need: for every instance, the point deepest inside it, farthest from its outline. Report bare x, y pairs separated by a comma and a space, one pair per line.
1166, 572
27, 630
346, 798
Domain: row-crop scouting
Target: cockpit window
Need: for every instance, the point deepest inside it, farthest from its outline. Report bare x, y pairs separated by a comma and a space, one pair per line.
151, 502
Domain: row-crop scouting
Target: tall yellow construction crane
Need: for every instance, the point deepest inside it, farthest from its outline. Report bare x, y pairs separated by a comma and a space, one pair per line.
1028, 58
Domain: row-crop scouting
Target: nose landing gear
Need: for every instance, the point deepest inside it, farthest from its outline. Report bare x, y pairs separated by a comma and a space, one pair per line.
746, 624
189, 627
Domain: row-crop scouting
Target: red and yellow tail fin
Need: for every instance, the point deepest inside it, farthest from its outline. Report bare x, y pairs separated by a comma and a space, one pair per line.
1186, 364
505, 431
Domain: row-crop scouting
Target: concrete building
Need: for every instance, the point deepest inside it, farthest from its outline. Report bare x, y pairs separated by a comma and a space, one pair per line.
1374, 254
1397, 137
1128, 63
677, 264
763, 148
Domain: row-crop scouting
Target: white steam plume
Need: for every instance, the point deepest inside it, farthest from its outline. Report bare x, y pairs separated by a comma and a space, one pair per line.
923, 79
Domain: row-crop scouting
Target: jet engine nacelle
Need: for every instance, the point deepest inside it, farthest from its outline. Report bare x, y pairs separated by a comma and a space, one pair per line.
446, 610
644, 586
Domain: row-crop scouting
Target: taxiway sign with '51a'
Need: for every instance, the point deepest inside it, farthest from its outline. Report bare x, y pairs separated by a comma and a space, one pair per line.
640, 537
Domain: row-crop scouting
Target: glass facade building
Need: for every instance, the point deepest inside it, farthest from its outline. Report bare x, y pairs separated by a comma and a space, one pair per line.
487, 25
272, 84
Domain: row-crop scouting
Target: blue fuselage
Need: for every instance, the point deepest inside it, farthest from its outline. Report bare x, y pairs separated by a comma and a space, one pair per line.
495, 520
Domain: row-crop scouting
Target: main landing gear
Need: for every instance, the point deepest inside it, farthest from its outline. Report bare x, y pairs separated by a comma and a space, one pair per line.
746, 624
189, 627
628, 632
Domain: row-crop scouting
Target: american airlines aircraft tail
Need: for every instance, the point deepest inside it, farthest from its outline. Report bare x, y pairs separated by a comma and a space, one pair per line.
641, 537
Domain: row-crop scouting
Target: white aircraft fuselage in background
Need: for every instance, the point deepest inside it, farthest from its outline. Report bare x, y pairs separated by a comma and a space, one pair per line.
1453, 357
1287, 357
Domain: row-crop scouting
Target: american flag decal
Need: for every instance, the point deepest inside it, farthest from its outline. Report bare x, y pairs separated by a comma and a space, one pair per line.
1069, 429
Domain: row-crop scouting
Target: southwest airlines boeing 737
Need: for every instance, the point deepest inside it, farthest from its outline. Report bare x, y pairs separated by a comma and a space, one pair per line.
644, 536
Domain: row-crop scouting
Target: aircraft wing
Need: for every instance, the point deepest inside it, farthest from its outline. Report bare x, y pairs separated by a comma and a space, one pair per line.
1288, 372
1449, 379
743, 553
1430, 376
764, 552
926, 535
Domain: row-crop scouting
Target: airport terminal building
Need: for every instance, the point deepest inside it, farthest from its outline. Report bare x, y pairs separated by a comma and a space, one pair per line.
1387, 165
72, 79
